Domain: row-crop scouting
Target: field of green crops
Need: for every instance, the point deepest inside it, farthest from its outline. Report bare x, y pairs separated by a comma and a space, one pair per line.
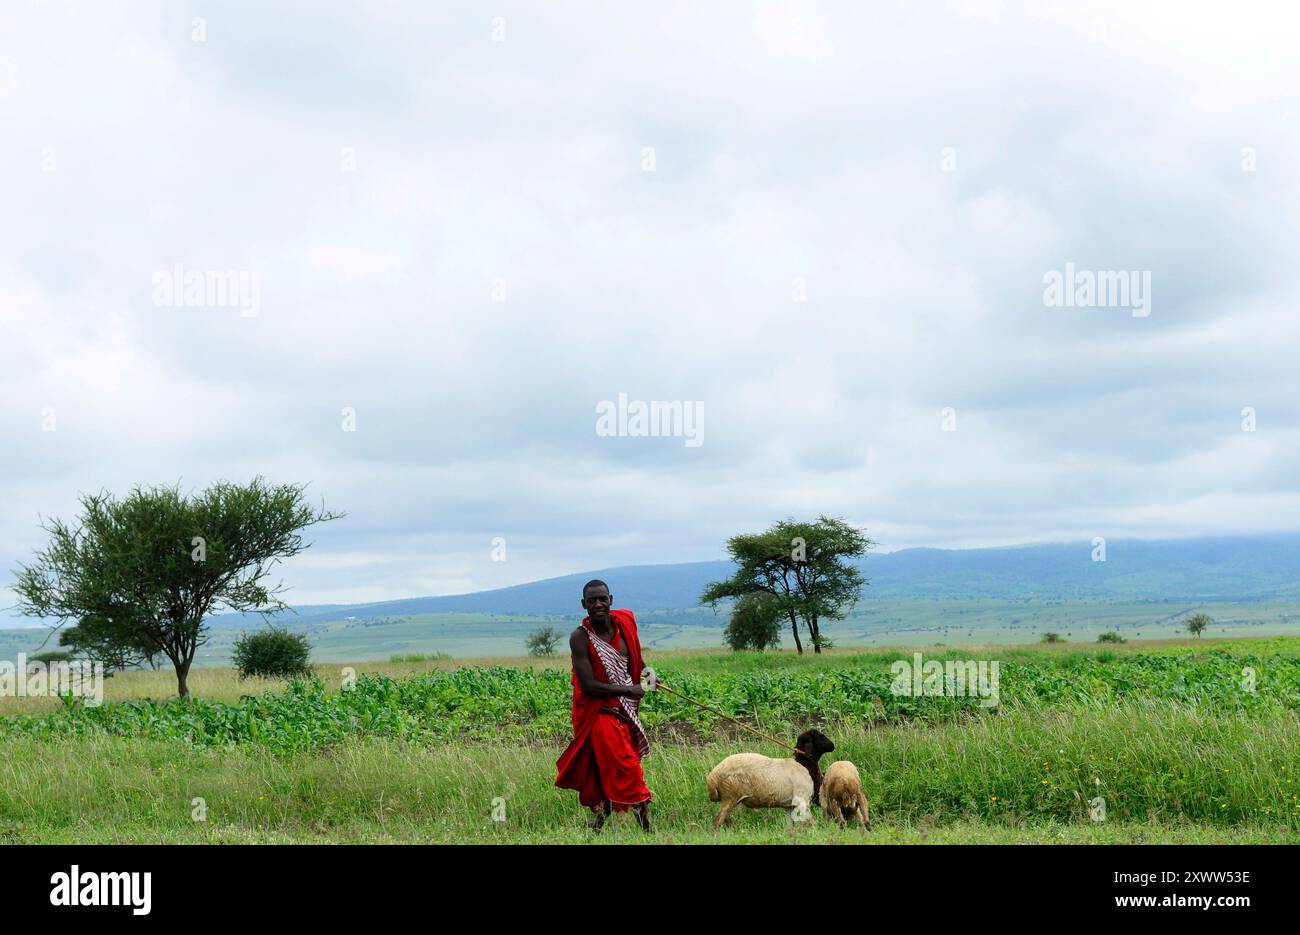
1197, 742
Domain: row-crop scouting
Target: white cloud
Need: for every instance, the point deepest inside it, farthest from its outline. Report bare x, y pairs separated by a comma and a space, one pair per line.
792, 141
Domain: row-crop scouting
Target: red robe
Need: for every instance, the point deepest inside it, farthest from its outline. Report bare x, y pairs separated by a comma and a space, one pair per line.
603, 763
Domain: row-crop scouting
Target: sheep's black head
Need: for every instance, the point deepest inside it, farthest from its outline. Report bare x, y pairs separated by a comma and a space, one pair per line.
814, 744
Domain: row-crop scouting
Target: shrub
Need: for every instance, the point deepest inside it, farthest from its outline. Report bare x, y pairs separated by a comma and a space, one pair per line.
542, 642
1050, 637
272, 653
420, 657
755, 623
1110, 636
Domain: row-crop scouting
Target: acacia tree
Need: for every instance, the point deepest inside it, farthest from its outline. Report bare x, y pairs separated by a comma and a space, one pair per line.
804, 567
1197, 623
140, 575
828, 585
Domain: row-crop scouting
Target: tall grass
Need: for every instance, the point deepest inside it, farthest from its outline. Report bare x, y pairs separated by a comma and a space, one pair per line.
1026, 774
420, 657
1179, 744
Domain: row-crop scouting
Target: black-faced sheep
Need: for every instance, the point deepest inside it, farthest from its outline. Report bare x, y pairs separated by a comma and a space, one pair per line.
765, 782
841, 794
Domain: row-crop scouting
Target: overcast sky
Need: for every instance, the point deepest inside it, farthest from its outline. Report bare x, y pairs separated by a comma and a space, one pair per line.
824, 223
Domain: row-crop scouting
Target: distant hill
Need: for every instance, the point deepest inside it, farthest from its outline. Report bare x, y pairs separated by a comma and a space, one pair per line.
1248, 568
1225, 569
1219, 569
643, 587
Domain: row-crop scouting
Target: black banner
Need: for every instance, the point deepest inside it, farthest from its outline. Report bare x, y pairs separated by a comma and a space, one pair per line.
141, 884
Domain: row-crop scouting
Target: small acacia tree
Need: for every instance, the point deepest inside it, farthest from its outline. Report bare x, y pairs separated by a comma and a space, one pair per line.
804, 567
541, 642
142, 573
1197, 623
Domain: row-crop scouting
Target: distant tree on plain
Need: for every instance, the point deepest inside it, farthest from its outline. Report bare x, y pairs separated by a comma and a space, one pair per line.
1197, 623
542, 642
804, 567
51, 656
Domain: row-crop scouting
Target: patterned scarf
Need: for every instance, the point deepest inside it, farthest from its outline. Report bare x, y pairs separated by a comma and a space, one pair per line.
616, 674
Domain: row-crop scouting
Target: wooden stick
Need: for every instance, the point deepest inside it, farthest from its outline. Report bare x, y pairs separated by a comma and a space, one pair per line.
661, 685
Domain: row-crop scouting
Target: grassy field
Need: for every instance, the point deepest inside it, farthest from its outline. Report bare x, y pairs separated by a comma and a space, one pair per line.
1179, 747
222, 684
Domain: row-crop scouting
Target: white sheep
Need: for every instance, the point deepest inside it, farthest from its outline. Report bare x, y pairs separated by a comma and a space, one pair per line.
841, 794
765, 782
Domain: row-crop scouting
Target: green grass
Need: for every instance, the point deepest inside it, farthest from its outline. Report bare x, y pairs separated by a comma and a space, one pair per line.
1166, 775
1169, 735
419, 657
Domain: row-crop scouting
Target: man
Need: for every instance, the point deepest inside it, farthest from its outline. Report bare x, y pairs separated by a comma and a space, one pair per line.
603, 763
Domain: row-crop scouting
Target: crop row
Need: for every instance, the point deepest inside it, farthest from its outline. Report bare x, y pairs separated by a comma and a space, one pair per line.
513, 703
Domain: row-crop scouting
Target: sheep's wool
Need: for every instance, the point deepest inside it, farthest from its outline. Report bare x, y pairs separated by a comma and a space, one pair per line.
759, 781
841, 793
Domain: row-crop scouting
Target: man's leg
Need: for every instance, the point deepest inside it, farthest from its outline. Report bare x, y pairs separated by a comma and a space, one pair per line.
601, 812
643, 815
619, 766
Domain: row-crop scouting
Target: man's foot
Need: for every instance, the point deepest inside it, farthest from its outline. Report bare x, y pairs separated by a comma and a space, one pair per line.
643, 815
601, 812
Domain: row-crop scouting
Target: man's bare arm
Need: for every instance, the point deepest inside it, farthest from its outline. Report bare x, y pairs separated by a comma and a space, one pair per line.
578, 644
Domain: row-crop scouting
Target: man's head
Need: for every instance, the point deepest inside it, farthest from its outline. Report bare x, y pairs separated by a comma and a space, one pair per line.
596, 601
